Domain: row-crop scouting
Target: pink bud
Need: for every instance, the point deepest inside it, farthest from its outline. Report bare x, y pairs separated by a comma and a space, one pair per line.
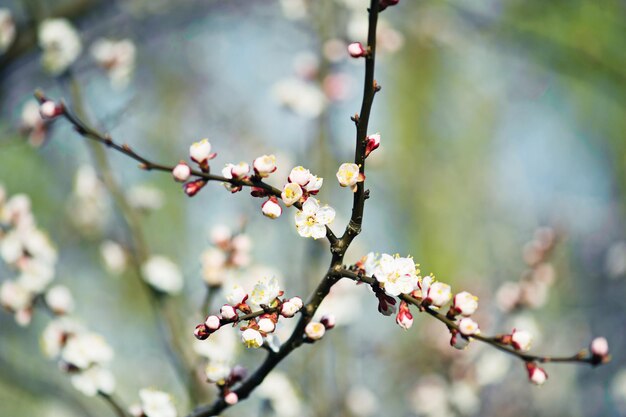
536, 375
266, 325
212, 323
599, 347
181, 172
231, 398
192, 188
228, 312
404, 318
373, 142
49, 109
329, 321
271, 208
201, 332
356, 50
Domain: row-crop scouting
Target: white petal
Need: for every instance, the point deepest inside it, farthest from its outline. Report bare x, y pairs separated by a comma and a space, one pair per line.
310, 206
325, 215
318, 231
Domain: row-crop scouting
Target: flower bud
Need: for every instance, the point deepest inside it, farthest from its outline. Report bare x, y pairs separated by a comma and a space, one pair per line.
288, 309
200, 152
314, 184
231, 398
458, 341
266, 325
228, 312
49, 109
468, 327
383, 4
181, 172
292, 193
212, 323
300, 175
356, 50
521, 340
600, 350
264, 165
464, 304
201, 332
240, 170
252, 338
536, 375
297, 301
314, 330
438, 294
373, 142
192, 188
271, 208
328, 321
404, 318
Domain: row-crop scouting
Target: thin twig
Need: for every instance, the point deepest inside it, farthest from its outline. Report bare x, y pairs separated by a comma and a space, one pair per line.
581, 357
114, 404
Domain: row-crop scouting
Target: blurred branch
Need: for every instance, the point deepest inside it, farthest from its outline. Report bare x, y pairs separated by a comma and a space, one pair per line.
114, 404
581, 357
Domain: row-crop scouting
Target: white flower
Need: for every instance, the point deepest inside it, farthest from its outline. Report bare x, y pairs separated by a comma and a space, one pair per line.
289, 309
56, 334
271, 208
236, 295
521, 340
200, 152
60, 43
312, 219
266, 325
113, 256
397, 275
348, 175
252, 338
315, 330
116, 57
59, 299
438, 294
265, 291
157, 403
36, 275
14, 296
213, 261
239, 170
162, 274
94, 380
217, 372
7, 29
465, 303
264, 165
292, 193
314, 184
300, 175
85, 349
468, 327
296, 301
181, 172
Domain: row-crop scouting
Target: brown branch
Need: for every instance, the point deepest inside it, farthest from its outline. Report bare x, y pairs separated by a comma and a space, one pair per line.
580, 357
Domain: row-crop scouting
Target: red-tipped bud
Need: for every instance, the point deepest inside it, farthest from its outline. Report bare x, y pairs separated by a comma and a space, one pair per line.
329, 321
192, 188
356, 50
201, 332
49, 109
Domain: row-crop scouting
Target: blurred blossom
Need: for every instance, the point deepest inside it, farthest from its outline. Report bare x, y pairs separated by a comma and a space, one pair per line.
492, 367
88, 207
60, 43
429, 398
162, 274
464, 398
301, 97
220, 347
306, 65
113, 256
156, 403
615, 261
344, 301
32, 124
94, 380
388, 39
117, 58
7, 30
145, 197
334, 50
618, 390
361, 401
294, 9
280, 393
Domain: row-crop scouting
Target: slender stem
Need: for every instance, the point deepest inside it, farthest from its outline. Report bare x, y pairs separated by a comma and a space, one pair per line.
581, 357
117, 408
140, 252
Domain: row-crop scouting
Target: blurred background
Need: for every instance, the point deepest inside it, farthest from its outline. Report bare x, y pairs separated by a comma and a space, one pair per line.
501, 170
